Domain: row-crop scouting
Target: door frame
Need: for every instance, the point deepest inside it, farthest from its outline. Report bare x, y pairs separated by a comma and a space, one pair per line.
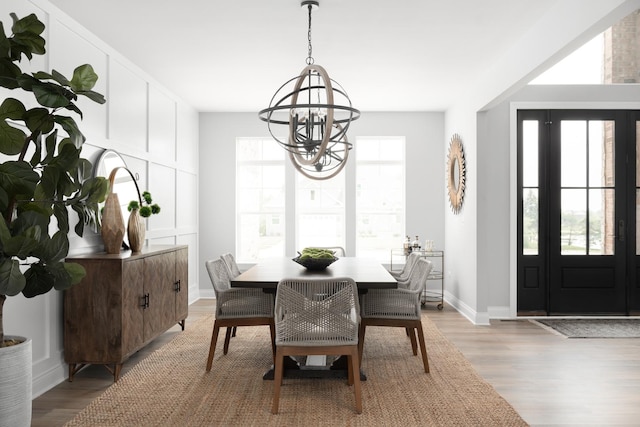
513, 175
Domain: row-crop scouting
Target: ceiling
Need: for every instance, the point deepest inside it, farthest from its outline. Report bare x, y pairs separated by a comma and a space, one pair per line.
401, 55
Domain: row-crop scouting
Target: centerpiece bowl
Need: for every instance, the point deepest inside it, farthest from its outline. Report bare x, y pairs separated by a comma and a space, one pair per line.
311, 263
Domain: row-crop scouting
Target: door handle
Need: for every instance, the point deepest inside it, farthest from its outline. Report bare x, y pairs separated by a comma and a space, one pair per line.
621, 230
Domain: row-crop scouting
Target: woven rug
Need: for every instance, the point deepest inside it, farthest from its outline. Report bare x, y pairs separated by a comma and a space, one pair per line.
171, 388
594, 328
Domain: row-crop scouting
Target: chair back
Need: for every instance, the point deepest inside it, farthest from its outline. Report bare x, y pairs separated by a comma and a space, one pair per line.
232, 266
219, 275
317, 312
419, 274
410, 263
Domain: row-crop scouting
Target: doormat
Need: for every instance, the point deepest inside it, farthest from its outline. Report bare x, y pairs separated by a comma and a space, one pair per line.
593, 328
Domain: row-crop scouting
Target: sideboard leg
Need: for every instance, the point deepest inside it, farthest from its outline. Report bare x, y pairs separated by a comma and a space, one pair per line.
116, 372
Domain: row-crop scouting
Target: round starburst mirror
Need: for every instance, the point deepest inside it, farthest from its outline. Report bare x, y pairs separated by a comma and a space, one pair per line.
456, 173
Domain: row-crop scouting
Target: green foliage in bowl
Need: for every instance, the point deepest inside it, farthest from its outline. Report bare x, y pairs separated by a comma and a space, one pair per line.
316, 258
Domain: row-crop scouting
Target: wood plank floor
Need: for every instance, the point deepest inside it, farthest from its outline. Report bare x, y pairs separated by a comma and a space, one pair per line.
549, 379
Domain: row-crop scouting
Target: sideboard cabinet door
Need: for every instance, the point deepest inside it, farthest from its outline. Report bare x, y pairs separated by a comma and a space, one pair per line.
133, 303
124, 301
159, 276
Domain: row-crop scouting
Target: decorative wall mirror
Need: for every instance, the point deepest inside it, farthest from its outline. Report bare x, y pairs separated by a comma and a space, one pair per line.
124, 182
456, 173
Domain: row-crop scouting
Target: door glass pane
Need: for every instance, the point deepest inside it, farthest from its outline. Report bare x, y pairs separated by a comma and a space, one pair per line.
530, 228
573, 153
530, 153
573, 232
601, 221
601, 154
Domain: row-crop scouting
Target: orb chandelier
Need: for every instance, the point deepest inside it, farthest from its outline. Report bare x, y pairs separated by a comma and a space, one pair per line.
316, 112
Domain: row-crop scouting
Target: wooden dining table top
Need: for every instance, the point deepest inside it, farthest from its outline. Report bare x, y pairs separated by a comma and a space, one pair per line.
367, 273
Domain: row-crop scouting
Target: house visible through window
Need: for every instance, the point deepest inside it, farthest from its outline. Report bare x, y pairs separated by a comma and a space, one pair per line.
260, 199
380, 195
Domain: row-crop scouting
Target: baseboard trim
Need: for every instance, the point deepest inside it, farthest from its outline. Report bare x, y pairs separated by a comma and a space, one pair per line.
48, 379
477, 318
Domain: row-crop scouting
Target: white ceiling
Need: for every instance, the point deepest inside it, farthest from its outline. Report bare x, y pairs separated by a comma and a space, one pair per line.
399, 55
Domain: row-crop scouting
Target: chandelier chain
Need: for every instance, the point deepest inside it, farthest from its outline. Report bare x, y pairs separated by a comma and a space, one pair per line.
309, 58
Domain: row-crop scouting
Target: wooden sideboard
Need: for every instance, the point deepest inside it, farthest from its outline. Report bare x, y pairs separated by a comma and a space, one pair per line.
124, 302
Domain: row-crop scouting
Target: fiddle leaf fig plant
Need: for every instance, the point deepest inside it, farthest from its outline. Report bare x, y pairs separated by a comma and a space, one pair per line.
42, 175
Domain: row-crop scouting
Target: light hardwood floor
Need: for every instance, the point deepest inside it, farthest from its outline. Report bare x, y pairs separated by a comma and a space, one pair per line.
548, 379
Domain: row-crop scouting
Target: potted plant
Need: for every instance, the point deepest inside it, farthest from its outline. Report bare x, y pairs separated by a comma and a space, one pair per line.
41, 176
139, 209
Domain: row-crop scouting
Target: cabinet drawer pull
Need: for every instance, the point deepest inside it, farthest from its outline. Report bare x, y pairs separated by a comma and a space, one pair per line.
144, 301
176, 286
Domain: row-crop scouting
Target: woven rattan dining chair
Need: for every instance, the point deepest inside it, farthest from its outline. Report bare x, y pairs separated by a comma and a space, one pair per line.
234, 271
236, 307
398, 307
317, 316
232, 266
403, 275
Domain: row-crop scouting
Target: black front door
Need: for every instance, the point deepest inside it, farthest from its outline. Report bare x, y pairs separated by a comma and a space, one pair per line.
577, 245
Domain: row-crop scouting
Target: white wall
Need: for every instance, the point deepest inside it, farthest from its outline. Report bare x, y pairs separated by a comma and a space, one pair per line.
424, 180
156, 132
474, 239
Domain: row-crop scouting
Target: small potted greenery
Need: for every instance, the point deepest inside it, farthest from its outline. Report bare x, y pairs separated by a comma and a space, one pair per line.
139, 209
147, 208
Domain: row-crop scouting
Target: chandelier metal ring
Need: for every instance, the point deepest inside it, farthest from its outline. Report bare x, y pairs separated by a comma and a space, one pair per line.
317, 113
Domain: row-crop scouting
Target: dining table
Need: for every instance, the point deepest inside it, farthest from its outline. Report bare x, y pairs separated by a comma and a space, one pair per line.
267, 273
366, 272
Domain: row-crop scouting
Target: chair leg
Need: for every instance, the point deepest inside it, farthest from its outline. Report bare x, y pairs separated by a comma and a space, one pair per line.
277, 380
212, 347
272, 330
361, 332
423, 347
412, 337
235, 328
355, 370
227, 338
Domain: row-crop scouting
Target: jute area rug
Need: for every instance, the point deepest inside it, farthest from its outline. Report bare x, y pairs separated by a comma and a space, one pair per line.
171, 388
594, 328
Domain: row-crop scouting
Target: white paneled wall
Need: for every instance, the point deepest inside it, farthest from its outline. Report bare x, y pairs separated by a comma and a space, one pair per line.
70, 52
127, 107
157, 135
162, 125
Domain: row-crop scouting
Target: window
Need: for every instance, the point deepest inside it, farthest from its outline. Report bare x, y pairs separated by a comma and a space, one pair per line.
320, 211
380, 195
280, 211
608, 58
260, 199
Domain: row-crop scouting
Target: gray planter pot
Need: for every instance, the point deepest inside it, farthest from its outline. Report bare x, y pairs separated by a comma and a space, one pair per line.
15, 384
